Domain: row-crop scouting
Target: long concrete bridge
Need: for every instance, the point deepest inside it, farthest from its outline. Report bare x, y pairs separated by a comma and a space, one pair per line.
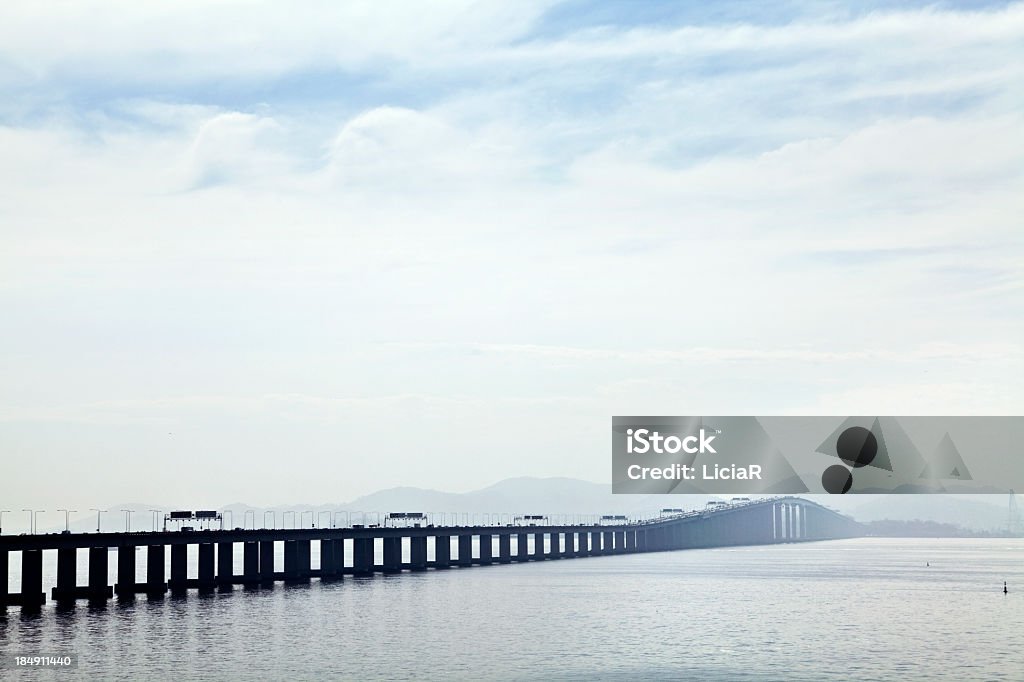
352, 551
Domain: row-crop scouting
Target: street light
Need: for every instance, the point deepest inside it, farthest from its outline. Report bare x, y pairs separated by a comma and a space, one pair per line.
245, 517
128, 520
273, 518
98, 512
155, 513
231, 519
284, 513
31, 524
302, 515
2, 512
67, 517
330, 517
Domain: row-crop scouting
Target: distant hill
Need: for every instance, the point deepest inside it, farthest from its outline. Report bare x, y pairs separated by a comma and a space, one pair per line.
525, 495
529, 495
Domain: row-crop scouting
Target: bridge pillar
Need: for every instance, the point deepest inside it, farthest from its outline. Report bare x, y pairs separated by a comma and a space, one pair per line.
630, 540
486, 548
67, 575
179, 568
225, 563
98, 574
607, 542
267, 561
207, 570
555, 547
5, 568
443, 551
465, 550
362, 556
620, 541
418, 553
155, 558
538, 546
328, 562
125, 585
595, 543
32, 594
251, 563
584, 540
339, 558
393, 554
522, 547
505, 547
296, 560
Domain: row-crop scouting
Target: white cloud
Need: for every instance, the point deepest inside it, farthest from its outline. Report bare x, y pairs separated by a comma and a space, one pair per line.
500, 228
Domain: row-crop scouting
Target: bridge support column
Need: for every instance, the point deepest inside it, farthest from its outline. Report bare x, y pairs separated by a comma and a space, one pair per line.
443, 551
362, 556
595, 543
583, 538
555, 545
225, 563
32, 595
538, 546
98, 574
393, 555
607, 542
465, 550
67, 575
5, 572
620, 542
155, 558
266, 561
631, 540
296, 560
179, 568
522, 547
418, 553
125, 585
486, 548
505, 548
207, 570
339, 558
251, 563
329, 560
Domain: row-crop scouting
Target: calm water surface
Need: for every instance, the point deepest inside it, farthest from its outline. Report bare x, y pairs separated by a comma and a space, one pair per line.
866, 609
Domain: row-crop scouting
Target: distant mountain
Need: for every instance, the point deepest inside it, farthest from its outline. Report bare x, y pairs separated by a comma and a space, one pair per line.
525, 495
979, 512
528, 495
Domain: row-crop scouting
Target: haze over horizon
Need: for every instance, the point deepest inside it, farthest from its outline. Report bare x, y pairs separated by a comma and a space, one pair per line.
258, 255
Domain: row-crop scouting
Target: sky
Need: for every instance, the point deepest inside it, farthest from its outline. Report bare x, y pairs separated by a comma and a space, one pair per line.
295, 253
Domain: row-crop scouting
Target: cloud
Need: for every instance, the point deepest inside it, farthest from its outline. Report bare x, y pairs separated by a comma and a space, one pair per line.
272, 226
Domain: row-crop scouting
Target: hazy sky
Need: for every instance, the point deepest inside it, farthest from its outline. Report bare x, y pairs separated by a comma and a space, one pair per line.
284, 252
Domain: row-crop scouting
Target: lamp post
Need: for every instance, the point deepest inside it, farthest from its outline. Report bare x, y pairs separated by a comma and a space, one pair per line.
330, 517
273, 518
67, 518
31, 523
2, 512
245, 518
98, 512
154, 515
231, 519
284, 513
128, 520
302, 515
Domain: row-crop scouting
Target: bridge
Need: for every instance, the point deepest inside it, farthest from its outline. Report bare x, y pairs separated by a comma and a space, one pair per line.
353, 550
